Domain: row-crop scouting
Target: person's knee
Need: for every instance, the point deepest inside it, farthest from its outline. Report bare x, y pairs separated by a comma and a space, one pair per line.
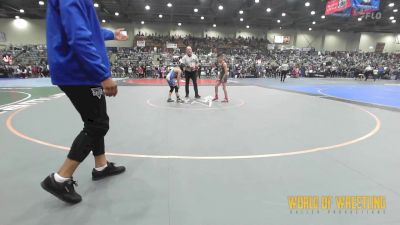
81, 147
97, 129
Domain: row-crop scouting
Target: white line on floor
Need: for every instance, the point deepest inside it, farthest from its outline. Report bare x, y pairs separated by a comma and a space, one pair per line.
28, 96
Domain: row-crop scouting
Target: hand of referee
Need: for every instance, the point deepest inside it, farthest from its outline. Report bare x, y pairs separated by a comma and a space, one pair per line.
110, 87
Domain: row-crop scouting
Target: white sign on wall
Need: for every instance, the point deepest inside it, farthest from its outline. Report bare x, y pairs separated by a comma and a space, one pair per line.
141, 43
281, 39
172, 45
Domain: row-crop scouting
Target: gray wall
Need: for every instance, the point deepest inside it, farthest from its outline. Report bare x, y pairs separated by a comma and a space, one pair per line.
308, 39
149, 29
343, 41
220, 31
368, 40
34, 32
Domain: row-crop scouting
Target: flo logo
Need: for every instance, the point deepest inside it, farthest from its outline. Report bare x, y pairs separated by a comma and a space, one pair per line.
372, 16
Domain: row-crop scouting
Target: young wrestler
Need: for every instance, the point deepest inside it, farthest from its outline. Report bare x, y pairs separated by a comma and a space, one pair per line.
173, 79
223, 78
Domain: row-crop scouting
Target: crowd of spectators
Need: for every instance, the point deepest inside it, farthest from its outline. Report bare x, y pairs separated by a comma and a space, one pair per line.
24, 61
247, 57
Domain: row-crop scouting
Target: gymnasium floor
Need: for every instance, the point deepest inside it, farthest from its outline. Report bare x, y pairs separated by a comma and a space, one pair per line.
202, 164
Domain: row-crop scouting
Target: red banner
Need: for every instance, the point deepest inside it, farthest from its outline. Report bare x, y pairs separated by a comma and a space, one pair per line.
334, 6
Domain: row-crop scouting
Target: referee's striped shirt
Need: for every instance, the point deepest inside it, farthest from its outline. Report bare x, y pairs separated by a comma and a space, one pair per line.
189, 61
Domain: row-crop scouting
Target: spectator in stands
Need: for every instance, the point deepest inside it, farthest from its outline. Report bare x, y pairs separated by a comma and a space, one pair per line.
397, 73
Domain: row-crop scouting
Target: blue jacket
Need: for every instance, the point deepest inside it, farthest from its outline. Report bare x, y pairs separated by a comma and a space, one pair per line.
77, 54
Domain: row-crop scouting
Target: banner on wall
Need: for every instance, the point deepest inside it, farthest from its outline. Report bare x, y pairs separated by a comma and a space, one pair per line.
362, 7
336, 6
281, 39
347, 8
172, 45
366, 4
345, 13
141, 43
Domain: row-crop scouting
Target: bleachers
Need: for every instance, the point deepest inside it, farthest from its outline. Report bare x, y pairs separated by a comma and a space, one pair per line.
254, 60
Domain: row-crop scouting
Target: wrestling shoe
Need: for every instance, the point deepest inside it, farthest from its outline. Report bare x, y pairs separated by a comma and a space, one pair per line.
225, 100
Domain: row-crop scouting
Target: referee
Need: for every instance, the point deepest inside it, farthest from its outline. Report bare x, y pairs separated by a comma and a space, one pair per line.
191, 65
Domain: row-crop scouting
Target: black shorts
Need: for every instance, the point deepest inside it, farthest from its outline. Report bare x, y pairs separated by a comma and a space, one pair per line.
172, 89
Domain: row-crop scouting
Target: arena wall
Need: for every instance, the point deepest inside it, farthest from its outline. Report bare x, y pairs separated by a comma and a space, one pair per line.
34, 32
23, 31
369, 40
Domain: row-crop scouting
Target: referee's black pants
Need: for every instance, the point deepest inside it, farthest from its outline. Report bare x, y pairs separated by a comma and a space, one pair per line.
191, 75
283, 75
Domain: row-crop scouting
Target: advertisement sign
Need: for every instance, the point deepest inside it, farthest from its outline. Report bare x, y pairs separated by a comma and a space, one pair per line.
366, 4
141, 43
351, 7
335, 6
281, 39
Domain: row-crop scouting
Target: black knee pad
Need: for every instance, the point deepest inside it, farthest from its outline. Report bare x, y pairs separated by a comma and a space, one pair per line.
86, 141
176, 89
81, 147
97, 129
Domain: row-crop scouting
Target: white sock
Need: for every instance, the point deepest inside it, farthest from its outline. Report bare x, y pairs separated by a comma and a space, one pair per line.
59, 178
101, 168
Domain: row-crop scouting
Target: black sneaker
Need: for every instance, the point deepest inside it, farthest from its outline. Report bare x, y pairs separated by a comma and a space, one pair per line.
64, 191
170, 100
198, 96
110, 170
